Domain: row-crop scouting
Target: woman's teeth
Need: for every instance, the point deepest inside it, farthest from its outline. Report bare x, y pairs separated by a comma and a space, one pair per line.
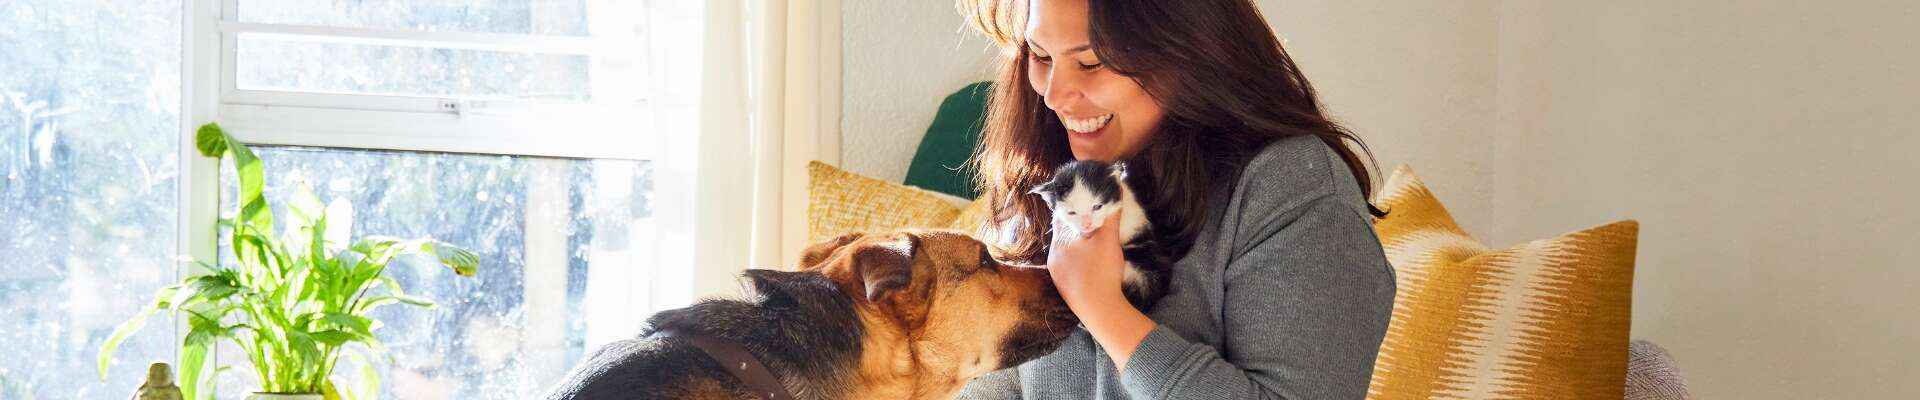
1086, 125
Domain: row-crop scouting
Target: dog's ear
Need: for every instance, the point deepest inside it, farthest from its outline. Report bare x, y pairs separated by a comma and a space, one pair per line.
817, 253
885, 267
774, 288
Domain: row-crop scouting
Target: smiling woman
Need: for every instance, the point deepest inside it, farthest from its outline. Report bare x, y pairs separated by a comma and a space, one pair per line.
1258, 195
1185, 102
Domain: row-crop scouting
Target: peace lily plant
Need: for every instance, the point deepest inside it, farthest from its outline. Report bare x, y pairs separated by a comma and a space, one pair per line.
291, 302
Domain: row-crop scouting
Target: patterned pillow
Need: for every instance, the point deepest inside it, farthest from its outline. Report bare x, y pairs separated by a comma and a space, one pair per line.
1543, 320
840, 202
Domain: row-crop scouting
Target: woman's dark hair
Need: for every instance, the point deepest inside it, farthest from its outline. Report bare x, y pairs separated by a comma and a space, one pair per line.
1228, 88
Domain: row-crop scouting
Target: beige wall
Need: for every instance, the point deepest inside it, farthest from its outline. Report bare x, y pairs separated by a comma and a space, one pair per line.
899, 59
1414, 79
1763, 145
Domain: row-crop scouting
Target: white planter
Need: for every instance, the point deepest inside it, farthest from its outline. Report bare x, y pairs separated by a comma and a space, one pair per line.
280, 396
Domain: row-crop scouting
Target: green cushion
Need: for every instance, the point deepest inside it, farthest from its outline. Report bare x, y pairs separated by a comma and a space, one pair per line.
955, 131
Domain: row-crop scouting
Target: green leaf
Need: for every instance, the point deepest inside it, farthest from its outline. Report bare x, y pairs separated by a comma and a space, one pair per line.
162, 299
193, 365
252, 175
211, 140
334, 337
329, 391
211, 288
120, 333
369, 380
358, 325
375, 302
463, 262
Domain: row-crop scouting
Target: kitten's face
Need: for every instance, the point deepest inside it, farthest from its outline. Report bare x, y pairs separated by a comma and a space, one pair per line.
1081, 211
1082, 196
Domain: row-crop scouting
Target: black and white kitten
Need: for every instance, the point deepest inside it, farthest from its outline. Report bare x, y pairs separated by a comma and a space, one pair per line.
1082, 195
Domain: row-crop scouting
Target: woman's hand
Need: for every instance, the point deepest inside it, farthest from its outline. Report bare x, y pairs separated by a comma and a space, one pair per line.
1089, 272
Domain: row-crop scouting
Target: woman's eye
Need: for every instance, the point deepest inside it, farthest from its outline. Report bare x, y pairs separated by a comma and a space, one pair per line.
1043, 60
1091, 67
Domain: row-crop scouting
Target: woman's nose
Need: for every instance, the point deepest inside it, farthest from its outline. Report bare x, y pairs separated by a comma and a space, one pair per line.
1063, 86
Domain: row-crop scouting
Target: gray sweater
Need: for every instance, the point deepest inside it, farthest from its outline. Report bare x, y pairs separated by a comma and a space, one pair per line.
1284, 295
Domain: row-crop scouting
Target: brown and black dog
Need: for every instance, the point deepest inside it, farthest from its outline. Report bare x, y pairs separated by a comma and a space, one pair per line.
906, 315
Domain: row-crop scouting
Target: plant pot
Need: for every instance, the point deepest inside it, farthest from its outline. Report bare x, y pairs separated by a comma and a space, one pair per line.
284, 396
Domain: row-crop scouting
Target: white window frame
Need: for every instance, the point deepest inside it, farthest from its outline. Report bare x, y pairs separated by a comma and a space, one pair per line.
443, 124
696, 164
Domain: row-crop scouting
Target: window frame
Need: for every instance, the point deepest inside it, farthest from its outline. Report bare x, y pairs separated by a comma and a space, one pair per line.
682, 162
434, 124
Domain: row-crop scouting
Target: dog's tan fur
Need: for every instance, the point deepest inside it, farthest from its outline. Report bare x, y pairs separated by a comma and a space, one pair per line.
941, 313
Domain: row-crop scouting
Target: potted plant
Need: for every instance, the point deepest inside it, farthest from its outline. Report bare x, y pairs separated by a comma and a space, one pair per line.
293, 302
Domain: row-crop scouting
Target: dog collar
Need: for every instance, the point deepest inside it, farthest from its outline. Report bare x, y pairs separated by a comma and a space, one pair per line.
736, 360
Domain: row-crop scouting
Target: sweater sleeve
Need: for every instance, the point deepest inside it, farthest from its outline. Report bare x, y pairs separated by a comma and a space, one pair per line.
1306, 304
996, 385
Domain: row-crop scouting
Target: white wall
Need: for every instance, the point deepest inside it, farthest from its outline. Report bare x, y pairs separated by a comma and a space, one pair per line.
1765, 146
1414, 79
900, 58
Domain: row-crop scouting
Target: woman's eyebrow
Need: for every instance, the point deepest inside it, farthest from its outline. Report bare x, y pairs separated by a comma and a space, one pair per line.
1074, 49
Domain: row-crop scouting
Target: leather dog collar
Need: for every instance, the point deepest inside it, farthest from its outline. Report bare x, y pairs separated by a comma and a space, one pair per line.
737, 361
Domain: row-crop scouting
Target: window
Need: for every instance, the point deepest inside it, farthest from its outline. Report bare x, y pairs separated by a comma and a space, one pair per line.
550, 136
567, 246
87, 187
526, 130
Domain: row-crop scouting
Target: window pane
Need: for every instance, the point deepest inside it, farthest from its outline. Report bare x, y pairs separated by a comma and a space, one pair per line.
540, 17
564, 246
278, 63
89, 97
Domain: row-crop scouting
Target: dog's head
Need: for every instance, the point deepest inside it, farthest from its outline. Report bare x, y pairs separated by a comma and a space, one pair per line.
962, 310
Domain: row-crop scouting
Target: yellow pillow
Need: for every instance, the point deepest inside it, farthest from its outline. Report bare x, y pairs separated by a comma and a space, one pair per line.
840, 202
1543, 320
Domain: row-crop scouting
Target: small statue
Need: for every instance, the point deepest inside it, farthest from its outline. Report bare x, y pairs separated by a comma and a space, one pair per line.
159, 384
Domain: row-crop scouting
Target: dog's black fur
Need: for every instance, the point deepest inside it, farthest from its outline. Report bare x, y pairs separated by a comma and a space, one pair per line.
800, 325
847, 325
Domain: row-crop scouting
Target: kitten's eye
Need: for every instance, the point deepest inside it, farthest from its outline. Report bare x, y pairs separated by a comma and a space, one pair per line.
1073, 213
1096, 207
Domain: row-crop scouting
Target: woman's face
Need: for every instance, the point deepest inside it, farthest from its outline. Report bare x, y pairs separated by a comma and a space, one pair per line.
1108, 116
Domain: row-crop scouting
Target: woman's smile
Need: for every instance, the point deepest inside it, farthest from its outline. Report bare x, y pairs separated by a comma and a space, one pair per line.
1086, 125
1086, 129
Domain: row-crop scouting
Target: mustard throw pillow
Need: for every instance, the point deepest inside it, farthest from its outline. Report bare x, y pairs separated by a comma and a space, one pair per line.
840, 202
1543, 320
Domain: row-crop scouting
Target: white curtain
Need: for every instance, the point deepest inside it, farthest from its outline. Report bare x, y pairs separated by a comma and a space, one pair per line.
771, 104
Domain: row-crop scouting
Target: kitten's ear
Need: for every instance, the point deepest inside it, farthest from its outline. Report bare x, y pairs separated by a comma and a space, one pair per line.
1045, 190
1120, 171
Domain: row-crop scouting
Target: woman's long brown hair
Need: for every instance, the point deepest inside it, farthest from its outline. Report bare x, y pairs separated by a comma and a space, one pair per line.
1228, 88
